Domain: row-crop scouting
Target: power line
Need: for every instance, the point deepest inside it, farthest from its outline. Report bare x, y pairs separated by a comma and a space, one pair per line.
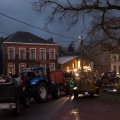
4, 33
73, 41
35, 26
58, 42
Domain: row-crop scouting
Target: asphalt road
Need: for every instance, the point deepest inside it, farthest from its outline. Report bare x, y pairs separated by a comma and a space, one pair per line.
81, 108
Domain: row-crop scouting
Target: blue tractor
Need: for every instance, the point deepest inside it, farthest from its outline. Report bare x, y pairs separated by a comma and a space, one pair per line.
40, 84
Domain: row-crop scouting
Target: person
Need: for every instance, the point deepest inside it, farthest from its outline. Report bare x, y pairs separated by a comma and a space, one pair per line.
16, 80
31, 75
23, 79
48, 73
71, 86
71, 83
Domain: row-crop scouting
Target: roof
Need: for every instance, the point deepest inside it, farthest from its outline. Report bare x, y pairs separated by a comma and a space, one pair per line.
62, 60
26, 37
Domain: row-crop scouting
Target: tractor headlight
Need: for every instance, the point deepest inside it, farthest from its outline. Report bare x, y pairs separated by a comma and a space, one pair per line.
34, 82
114, 90
76, 74
75, 88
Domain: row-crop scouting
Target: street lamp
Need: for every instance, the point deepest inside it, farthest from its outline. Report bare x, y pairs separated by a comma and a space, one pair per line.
81, 45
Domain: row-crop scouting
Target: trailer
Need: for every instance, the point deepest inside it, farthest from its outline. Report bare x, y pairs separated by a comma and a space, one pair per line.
84, 84
13, 95
57, 76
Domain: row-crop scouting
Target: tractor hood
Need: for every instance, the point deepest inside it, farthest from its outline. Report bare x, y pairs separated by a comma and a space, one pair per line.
35, 81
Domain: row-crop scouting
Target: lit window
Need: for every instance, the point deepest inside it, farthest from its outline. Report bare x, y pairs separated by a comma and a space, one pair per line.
78, 64
11, 69
21, 65
73, 65
68, 68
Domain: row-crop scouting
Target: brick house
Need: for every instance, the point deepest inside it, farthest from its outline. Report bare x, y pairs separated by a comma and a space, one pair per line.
23, 49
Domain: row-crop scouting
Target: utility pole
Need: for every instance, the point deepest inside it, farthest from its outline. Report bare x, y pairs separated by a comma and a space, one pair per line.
81, 82
81, 45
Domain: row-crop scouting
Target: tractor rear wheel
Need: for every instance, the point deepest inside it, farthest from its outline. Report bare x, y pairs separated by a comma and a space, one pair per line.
56, 92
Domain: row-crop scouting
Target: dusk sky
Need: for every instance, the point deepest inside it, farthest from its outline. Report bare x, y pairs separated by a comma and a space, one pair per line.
22, 10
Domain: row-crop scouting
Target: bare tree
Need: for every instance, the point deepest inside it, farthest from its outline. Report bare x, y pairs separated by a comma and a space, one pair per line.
104, 15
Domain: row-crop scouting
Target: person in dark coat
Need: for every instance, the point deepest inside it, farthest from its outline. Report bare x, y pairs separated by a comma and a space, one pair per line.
48, 73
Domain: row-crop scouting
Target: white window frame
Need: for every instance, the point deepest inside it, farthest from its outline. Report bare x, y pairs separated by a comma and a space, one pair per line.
30, 56
50, 56
44, 54
52, 66
21, 65
13, 53
11, 68
24, 54
44, 66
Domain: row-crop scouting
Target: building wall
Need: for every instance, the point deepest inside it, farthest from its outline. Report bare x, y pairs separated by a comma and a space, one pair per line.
100, 69
101, 58
68, 66
115, 62
1, 55
27, 61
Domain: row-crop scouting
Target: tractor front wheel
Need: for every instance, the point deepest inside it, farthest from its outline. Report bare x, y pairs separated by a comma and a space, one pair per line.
41, 93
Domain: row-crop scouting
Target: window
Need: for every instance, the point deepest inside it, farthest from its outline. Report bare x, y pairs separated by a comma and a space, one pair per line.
22, 53
78, 64
11, 69
114, 68
42, 54
73, 65
52, 66
22, 65
119, 69
11, 53
52, 54
119, 58
32, 54
43, 65
114, 58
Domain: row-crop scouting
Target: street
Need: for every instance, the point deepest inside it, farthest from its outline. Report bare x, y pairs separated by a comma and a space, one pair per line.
64, 108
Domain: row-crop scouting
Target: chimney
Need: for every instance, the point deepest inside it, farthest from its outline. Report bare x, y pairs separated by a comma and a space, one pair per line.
50, 40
